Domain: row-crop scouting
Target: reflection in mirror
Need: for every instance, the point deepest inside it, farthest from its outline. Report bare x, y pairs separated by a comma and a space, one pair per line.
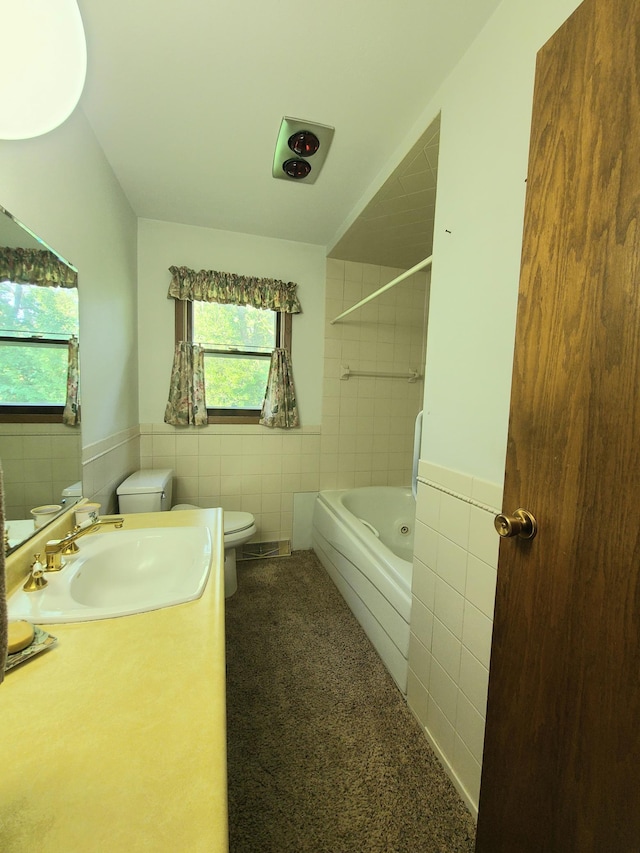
40, 443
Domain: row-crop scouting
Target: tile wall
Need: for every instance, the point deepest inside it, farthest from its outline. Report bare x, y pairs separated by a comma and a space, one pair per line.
454, 581
368, 422
240, 468
38, 462
106, 464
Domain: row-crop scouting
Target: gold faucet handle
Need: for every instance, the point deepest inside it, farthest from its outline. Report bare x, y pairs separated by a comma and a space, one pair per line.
36, 579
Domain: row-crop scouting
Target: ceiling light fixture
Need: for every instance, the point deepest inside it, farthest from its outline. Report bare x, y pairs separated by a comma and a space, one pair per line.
45, 58
305, 139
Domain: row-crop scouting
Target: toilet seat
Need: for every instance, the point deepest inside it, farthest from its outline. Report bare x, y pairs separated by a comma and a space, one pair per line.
239, 527
233, 522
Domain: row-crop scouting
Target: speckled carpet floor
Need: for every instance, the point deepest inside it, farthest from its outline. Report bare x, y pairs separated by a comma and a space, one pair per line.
324, 755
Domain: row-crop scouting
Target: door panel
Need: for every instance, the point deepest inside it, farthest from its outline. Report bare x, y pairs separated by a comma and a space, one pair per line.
561, 769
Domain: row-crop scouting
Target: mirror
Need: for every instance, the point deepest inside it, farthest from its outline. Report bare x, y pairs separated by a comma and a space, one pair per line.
40, 455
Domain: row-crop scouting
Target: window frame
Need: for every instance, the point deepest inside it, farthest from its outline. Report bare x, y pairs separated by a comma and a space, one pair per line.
184, 332
19, 412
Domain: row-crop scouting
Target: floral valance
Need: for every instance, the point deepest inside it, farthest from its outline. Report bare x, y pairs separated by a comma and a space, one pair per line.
35, 266
229, 288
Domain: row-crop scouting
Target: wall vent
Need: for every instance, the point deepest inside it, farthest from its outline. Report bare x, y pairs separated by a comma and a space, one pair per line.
262, 550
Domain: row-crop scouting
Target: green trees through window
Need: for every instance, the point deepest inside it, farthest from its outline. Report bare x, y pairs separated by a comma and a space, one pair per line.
35, 324
238, 342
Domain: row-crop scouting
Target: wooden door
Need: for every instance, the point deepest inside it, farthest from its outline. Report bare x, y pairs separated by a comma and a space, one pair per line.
561, 767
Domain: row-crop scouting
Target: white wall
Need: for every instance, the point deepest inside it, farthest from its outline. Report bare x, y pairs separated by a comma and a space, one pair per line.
484, 140
165, 244
61, 186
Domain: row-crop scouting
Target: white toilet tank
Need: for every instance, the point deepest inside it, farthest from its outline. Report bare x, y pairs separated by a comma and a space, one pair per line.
148, 490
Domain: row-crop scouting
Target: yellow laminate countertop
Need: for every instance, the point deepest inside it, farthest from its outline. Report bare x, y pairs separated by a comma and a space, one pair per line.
115, 738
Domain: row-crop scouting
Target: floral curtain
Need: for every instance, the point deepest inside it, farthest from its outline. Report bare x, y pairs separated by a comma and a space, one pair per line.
71, 413
279, 408
187, 404
35, 266
228, 288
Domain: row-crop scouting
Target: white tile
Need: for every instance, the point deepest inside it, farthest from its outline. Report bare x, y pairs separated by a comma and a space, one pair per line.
481, 585
419, 659
483, 539
449, 607
446, 649
454, 519
428, 505
468, 770
470, 727
487, 493
423, 583
476, 633
444, 691
474, 681
456, 481
417, 697
451, 563
440, 729
421, 622
425, 544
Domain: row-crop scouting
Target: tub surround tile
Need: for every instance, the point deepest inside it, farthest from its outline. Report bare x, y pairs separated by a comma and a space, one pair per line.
481, 585
476, 633
422, 623
468, 772
422, 656
470, 727
487, 493
449, 607
483, 539
428, 505
446, 649
455, 513
424, 583
451, 563
454, 519
474, 681
440, 729
446, 689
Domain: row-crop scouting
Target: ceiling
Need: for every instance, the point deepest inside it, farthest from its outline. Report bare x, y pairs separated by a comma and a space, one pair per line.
186, 100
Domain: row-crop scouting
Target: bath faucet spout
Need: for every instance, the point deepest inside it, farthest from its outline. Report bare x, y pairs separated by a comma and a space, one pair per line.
56, 547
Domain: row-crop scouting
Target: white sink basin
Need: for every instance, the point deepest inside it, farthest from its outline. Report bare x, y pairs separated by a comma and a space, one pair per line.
120, 572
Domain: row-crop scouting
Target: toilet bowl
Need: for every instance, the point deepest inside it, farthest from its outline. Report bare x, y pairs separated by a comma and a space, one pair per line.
239, 527
151, 490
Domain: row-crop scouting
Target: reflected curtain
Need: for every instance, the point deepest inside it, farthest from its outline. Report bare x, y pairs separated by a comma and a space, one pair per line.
35, 266
42, 268
187, 405
279, 408
71, 413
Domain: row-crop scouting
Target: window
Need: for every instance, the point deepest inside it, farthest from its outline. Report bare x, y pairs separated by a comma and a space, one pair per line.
238, 341
35, 326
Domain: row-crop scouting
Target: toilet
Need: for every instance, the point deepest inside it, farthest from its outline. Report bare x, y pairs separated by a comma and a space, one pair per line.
150, 490
72, 492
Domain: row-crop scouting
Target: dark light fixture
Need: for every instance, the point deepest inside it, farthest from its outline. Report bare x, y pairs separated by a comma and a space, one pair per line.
296, 169
306, 139
304, 143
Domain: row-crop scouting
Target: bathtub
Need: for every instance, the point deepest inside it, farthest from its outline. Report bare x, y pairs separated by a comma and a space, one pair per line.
364, 539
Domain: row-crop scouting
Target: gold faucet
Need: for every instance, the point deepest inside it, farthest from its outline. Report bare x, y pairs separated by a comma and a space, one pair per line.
36, 579
55, 548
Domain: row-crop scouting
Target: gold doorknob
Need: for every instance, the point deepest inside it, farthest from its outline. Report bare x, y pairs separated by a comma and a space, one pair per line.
521, 524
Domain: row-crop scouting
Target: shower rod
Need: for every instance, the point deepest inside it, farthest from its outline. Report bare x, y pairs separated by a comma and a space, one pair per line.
397, 280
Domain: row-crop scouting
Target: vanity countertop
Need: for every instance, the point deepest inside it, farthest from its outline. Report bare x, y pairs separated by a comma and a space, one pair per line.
115, 739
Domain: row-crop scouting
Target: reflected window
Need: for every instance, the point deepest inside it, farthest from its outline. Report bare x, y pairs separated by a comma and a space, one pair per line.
35, 326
